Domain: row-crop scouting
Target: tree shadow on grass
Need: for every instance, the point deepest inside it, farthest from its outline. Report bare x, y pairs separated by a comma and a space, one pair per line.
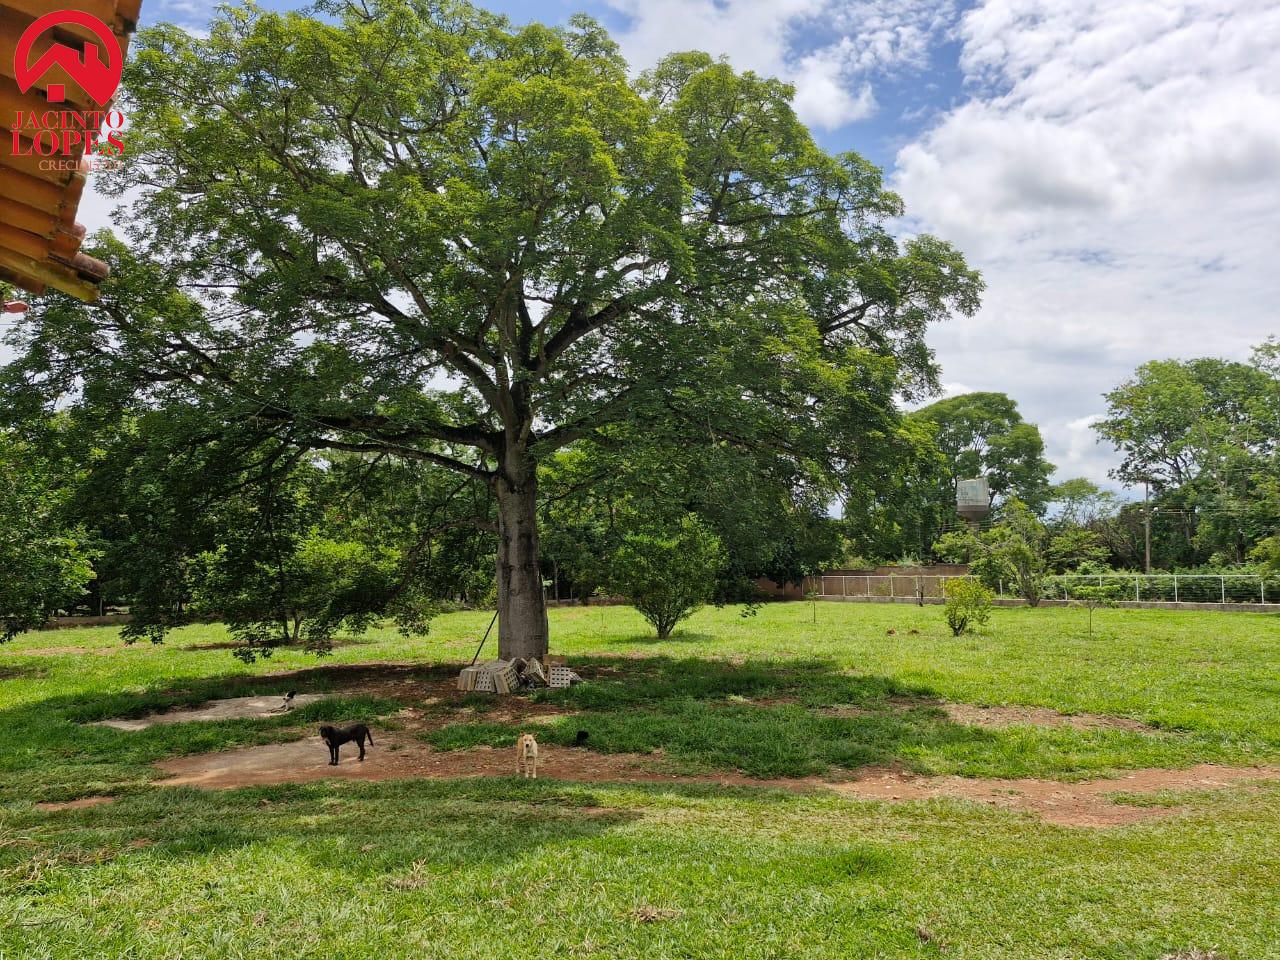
793, 718
24, 672
368, 832
50, 749
651, 639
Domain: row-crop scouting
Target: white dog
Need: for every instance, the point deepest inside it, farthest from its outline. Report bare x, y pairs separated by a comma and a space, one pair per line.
527, 756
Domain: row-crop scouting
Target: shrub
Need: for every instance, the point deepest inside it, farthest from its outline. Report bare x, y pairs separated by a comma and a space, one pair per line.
1267, 554
668, 576
968, 604
314, 589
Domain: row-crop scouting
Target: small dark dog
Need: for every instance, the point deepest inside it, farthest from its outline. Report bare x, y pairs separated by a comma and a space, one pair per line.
581, 738
335, 737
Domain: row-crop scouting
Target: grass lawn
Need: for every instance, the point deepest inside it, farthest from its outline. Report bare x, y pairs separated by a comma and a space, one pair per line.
495, 868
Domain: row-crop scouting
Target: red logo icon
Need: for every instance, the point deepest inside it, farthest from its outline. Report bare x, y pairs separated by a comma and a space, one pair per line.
99, 80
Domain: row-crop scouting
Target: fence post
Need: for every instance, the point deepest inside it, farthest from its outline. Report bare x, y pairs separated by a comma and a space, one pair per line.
1175, 588
892, 594
1137, 589
1262, 587
1223, 582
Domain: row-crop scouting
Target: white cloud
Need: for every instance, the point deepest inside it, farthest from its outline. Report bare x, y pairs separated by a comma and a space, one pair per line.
832, 50
1116, 175
822, 94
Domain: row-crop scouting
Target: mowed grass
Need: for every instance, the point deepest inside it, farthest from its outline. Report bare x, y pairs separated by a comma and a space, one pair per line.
506, 868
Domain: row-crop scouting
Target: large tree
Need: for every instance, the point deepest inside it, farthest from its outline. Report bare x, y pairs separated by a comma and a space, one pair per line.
407, 228
1204, 434
984, 435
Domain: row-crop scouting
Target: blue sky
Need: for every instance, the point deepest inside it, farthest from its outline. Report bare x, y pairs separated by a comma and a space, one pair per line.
1112, 166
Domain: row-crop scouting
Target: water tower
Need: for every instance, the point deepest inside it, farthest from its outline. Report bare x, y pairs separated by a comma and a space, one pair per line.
973, 500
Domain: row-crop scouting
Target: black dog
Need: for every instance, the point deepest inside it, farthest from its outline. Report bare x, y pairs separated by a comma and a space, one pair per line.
337, 736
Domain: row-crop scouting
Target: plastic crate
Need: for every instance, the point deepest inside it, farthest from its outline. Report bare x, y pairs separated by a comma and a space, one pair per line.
504, 676
496, 676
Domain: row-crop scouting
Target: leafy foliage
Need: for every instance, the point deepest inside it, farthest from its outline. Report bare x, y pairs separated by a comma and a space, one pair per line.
1093, 595
1204, 434
968, 604
1267, 554
305, 596
668, 576
984, 435
44, 564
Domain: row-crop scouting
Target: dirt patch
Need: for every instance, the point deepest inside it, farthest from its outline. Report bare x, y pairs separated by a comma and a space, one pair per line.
79, 804
996, 718
1089, 803
235, 708
22, 673
396, 756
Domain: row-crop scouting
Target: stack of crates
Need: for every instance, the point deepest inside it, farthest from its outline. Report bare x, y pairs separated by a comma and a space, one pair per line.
559, 674
494, 676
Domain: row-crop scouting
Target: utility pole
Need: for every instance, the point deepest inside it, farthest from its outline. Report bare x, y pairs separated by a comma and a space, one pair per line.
1146, 523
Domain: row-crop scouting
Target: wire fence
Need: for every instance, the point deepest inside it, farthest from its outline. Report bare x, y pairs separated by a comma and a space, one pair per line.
1122, 587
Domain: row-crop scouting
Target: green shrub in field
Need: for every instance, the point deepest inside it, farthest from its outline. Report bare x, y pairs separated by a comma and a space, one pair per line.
968, 604
667, 576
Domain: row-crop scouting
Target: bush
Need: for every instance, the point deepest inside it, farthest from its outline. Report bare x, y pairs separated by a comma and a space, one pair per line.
667, 577
968, 604
314, 589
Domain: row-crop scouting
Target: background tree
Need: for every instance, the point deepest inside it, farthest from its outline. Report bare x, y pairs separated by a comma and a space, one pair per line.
898, 508
1079, 502
46, 565
411, 230
1267, 554
1205, 435
771, 518
984, 435
304, 596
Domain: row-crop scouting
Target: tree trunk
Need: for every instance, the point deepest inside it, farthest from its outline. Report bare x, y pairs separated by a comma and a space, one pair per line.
522, 610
